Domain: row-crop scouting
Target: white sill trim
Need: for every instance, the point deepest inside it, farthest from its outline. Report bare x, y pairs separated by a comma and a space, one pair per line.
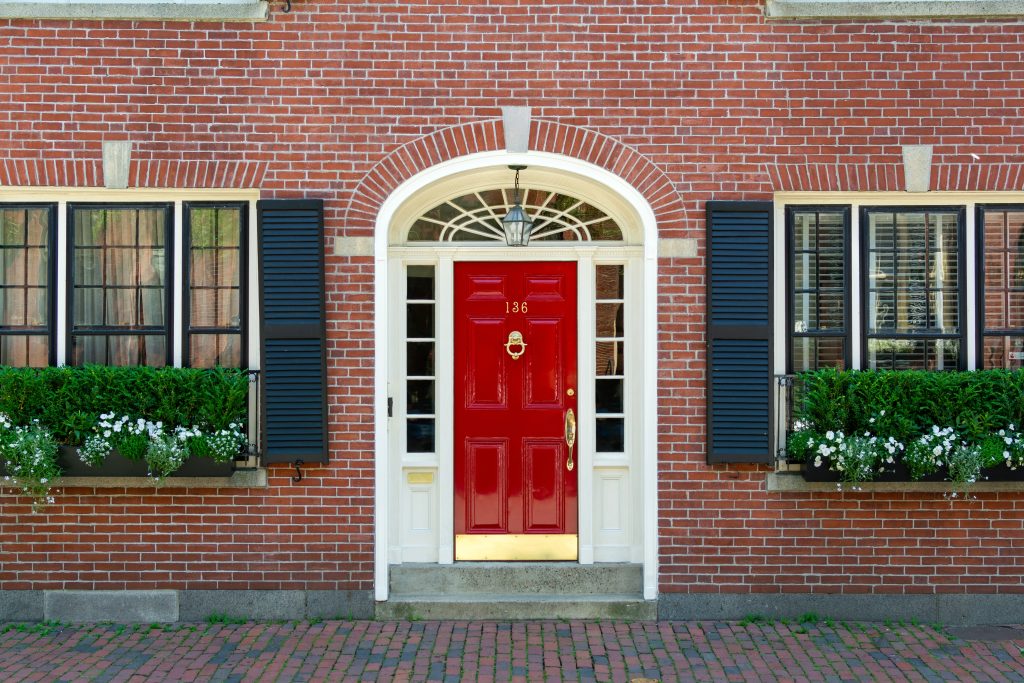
246, 479
140, 11
892, 9
794, 483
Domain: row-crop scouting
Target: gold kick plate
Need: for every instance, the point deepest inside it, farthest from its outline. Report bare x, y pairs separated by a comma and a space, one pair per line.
498, 547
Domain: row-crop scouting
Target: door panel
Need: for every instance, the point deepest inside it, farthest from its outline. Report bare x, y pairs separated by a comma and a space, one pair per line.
515, 497
487, 457
485, 387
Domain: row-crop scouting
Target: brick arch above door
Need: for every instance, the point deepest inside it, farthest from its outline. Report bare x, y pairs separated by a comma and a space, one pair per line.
488, 136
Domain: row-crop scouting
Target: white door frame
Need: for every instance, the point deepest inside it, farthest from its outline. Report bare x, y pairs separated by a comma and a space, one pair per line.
623, 192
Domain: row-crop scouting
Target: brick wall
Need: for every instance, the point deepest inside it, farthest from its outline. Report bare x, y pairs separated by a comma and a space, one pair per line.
689, 100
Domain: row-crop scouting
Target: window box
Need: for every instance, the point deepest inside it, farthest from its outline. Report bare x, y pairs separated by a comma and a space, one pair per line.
116, 465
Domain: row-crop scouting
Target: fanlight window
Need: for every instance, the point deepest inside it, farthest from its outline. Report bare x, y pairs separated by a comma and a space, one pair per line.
476, 217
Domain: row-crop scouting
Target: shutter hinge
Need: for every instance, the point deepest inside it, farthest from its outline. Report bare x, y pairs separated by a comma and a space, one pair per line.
391, 405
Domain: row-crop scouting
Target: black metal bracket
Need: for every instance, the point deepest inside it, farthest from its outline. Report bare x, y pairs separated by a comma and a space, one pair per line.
298, 471
287, 6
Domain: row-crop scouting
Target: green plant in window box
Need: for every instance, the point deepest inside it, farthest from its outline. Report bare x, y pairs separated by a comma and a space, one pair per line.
956, 425
99, 409
30, 458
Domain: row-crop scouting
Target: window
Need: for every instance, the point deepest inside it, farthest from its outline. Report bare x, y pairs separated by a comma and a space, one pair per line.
610, 354
420, 344
911, 288
1001, 288
120, 287
911, 282
818, 293
119, 309
215, 235
26, 283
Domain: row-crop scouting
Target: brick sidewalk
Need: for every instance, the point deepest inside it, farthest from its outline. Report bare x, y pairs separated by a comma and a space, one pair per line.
489, 651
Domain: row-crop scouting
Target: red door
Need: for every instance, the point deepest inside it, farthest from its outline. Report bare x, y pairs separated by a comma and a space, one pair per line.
515, 405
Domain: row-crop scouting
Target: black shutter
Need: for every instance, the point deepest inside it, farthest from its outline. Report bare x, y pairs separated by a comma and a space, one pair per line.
293, 354
739, 331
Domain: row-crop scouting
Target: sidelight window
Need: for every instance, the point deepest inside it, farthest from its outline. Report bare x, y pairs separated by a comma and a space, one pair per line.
420, 344
609, 353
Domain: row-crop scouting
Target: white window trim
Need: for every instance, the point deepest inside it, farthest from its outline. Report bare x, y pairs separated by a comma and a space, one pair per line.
207, 10
891, 9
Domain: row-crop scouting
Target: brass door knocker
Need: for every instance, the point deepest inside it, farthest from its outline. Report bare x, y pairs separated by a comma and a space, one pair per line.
515, 338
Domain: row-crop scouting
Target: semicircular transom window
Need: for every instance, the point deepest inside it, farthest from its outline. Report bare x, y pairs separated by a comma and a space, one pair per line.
476, 217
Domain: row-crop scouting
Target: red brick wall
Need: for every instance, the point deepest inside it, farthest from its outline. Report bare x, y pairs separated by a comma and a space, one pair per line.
689, 99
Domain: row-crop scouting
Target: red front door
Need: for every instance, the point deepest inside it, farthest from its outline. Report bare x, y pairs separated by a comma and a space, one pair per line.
515, 405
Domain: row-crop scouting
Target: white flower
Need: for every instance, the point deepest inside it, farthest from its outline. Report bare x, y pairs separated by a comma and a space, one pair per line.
937, 450
882, 412
830, 435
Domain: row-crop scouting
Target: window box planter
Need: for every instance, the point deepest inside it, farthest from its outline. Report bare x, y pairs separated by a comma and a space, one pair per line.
893, 473
116, 465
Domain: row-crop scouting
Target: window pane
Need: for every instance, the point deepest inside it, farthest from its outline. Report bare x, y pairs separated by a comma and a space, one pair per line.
120, 227
913, 354
229, 227
610, 435
420, 397
420, 320
88, 267
420, 436
609, 357
610, 320
215, 308
12, 227
121, 267
1003, 352
119, 350
153, 307
121, 307
812, 353
211, 350
420, 282
608, 282
24, 350
88, 305
419, 359
608, 395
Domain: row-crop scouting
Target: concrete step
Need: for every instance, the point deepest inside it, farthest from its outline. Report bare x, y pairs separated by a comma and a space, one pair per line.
516, 607
517, 578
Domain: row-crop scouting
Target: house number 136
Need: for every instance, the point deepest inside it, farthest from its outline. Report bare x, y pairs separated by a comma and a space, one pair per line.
515, 307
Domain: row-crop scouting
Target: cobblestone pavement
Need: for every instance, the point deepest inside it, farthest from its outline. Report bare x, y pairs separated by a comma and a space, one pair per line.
501, 651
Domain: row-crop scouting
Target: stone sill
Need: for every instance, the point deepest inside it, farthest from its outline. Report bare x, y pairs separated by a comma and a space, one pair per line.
239, 480
139, 11
892, 9
789, 482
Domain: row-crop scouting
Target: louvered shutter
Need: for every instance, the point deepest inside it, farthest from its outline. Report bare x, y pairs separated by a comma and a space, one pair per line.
739, 331
293, 355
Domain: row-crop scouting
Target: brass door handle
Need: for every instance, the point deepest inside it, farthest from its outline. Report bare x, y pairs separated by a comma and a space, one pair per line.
570, 436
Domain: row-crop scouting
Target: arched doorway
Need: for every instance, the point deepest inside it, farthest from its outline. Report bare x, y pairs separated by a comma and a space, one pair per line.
439, 238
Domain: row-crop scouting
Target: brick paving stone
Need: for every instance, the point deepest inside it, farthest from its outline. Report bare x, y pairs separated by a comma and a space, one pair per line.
448, 652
